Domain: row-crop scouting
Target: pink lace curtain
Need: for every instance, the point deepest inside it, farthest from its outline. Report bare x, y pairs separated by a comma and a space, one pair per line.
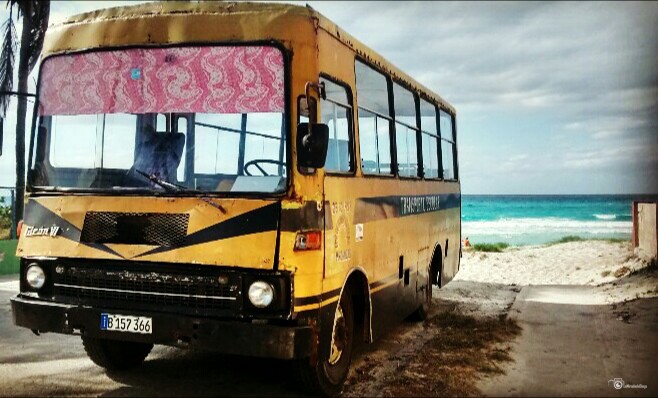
237, 79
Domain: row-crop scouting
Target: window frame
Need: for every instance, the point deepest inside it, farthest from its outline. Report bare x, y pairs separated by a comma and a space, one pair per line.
419, 158
452, 141
287, 122
350, 124
432, 103
390, 118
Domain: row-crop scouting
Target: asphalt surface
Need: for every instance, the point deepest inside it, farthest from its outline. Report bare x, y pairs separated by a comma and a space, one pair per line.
53, 364
568, 349
564, 350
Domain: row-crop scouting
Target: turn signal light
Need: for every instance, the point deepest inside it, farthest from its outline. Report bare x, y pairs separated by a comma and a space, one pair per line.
309, 240
19, 228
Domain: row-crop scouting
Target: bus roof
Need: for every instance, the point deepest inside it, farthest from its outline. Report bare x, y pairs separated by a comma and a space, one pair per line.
279, 10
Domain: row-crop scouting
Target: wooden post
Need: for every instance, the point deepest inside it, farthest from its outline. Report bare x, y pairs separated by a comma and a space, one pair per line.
656, 209
12, 231
634, 237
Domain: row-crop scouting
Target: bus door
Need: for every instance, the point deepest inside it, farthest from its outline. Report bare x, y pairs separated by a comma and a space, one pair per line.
336, 112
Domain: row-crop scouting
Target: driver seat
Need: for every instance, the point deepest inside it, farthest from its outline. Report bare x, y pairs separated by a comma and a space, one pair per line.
158, 154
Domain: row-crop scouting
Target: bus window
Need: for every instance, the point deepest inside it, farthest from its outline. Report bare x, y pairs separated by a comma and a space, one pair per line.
405, 131
430, 140
233, 130
210, 156
100, 140
448, 149
375, 122
336, 113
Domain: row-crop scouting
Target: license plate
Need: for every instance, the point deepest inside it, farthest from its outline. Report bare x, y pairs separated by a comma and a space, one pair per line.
126, 323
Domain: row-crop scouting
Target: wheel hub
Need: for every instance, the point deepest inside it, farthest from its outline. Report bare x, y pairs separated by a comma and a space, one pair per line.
338, 337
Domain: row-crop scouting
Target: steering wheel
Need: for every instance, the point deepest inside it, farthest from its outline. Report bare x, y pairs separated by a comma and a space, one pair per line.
255, 162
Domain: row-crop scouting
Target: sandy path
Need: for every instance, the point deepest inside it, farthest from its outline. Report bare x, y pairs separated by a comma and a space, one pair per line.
574, 263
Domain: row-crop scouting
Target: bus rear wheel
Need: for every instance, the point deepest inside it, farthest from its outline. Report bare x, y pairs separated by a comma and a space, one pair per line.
114, 354
329, 374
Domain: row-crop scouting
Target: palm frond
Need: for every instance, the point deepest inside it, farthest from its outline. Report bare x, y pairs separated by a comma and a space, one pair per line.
39, 17
7, 62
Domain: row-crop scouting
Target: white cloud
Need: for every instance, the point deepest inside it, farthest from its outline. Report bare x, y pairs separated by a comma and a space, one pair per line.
580, 78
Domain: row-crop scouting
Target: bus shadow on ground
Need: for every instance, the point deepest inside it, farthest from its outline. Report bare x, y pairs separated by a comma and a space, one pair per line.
195, 373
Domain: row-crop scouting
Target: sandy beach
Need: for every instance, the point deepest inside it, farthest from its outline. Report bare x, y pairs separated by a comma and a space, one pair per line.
487, 282
574, 263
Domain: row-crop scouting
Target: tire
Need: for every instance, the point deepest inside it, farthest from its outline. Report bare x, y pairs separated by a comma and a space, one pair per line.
114, 354
326, 378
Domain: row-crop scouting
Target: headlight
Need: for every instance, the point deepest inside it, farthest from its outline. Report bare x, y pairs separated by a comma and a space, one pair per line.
261, 294
34, 276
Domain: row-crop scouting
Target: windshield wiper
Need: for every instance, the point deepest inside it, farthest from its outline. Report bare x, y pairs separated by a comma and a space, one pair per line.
172, 187
168, 186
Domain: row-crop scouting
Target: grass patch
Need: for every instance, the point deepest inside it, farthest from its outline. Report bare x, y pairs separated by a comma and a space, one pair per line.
450, 364
576, 238
490, 247
615, 240
9, 263
568, 238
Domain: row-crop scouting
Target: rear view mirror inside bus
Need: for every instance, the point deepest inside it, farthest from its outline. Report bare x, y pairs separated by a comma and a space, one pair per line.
312, 145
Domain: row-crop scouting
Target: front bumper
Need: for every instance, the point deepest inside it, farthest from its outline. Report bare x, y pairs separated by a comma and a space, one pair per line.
230, 337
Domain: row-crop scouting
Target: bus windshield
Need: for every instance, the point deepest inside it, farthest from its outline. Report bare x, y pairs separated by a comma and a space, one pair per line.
207, 119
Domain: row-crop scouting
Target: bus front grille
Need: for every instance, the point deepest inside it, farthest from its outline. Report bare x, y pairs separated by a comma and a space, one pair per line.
157, 229
196, 293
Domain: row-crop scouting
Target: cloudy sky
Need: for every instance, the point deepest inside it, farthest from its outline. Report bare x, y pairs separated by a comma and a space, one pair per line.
551, 98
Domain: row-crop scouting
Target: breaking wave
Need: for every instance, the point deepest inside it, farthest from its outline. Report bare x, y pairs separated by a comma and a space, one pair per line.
553, 225
605, 216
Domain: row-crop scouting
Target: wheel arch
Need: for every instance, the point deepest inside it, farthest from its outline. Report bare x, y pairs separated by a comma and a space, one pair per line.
357, 282
436, 265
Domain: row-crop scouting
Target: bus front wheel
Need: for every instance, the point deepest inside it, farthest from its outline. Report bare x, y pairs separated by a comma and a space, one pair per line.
114, 354
328, 375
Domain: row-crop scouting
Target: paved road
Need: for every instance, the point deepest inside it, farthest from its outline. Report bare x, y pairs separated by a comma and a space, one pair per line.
564, 350
567, 349
53, 364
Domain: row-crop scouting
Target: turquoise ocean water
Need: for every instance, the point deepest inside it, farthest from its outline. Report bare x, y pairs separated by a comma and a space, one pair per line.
537, 219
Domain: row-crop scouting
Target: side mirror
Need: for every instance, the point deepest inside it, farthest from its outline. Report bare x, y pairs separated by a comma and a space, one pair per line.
312, 143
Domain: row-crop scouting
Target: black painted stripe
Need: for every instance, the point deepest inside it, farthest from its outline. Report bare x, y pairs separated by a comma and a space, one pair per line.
317, 299
263, 219
384, 207
300, 301
37, 214
384, 281
307, 217
334, 293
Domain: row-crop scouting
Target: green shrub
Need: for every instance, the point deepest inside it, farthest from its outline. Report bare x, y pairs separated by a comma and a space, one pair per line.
9, 263
575, 238
5, 216
490, 247
569, 238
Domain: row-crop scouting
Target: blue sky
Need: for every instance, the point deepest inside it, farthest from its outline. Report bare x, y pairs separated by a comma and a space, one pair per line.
551, 97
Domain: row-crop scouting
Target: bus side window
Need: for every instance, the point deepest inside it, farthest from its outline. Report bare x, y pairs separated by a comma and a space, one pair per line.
448, 147
375, 122
336, 112
430, 139
406, 131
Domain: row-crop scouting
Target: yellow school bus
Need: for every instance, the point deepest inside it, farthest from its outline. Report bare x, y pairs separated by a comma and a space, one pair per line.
245, 178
